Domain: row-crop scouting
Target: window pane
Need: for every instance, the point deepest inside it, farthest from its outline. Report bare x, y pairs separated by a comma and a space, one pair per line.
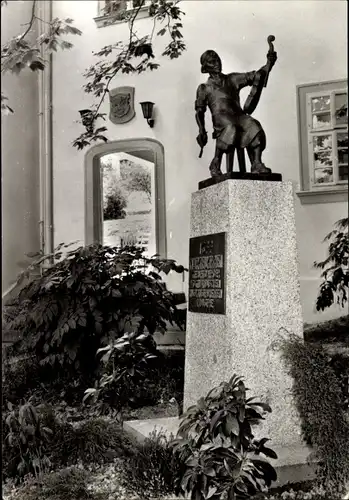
343, 156
340, 100
343, 173
321, 142
323, 159
341, 105
342, 140
323, 175
114, 6
320, 103
322, 121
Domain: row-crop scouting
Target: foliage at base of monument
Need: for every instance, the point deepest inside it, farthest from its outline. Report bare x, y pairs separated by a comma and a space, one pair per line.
151, 470
216, 445
25, 441
92, 296
124, 368
318, 397
21, 52
335, 274
315, 492
133, 56
65, 484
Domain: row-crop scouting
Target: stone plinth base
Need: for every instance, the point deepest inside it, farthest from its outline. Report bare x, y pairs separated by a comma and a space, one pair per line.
240, 175
262, 299
291, 465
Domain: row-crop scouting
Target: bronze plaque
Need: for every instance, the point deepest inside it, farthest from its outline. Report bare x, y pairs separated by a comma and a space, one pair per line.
207, 274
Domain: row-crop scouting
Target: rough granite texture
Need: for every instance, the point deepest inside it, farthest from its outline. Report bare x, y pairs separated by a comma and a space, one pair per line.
262, 299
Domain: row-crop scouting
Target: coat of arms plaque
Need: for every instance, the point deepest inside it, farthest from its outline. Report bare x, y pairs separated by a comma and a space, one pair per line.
122, 108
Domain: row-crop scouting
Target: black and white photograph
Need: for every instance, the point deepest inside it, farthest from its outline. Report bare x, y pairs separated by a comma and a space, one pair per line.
175, 280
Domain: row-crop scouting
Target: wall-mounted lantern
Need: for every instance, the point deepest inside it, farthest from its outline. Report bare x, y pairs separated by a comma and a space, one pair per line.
86, 116
147, 108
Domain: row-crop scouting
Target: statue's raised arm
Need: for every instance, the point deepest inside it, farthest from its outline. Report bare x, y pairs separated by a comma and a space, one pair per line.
261, 79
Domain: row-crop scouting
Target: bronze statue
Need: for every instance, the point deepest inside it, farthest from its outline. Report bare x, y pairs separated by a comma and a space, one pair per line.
233, 126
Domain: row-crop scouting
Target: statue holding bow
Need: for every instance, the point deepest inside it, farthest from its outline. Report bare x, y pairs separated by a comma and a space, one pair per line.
233, 126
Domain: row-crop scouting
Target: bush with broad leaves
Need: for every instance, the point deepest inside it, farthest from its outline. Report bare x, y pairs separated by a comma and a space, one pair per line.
92, 296
215, 443
124, 368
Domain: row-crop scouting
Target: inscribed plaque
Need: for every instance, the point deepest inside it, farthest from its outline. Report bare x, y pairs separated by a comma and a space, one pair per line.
207, 274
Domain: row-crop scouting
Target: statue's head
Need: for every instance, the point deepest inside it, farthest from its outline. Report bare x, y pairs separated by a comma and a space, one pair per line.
210, 62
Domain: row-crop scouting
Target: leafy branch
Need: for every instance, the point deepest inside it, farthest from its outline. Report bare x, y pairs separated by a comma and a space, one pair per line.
133, 56
20, 53
335, 268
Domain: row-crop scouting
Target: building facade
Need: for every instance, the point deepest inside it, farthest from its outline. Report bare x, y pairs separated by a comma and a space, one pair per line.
46, 179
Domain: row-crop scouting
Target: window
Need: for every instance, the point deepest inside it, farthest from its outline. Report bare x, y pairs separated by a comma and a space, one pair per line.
114, 11
323, 123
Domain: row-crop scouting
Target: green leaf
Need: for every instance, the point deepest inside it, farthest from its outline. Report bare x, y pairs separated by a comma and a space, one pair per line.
232, 425
211, 491
192, 462
268, 452
209, 471
37, 65
218, 416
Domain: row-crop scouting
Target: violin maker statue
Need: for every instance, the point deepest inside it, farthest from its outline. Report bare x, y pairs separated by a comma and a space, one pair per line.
233, 126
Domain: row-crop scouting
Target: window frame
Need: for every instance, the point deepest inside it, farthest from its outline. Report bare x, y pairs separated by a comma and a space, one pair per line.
306, 133
103, 19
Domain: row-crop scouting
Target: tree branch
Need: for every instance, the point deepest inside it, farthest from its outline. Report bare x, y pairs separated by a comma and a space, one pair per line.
30, 22
110, 78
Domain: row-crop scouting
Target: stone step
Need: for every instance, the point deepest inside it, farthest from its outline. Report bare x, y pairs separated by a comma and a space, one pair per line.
292, 465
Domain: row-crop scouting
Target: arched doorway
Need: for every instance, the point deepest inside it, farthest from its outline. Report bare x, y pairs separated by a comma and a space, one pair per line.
125, 194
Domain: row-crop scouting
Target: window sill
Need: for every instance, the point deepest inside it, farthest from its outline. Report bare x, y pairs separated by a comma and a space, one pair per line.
338, 194
110, 19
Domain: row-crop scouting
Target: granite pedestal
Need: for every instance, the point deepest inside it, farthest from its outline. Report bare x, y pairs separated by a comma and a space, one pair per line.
262, 299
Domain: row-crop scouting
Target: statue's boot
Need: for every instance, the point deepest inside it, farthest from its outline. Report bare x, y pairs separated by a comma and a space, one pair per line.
260, 168
216, 172
215, 169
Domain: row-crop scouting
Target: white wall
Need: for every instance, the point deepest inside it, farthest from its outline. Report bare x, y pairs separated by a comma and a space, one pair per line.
311, 40
19, 155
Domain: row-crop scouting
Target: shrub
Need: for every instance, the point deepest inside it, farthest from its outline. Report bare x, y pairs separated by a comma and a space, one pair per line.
313, 493
124, 362
92, 295
152, 469
16, 378
335, 271
93, 441
340, 365
216, 446
35, 438
334, 330
66, 484
115, 206
318, 398
165, 379
25, 378
25, 441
